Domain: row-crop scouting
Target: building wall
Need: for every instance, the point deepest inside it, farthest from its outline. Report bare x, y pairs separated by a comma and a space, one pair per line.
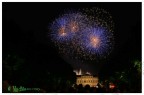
87, 80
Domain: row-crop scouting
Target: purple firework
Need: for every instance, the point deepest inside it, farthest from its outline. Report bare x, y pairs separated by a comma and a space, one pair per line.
59, 31
83, 36
66, 27
95, 41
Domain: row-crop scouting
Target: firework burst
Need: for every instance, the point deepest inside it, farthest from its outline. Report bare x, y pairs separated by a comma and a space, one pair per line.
66, 26
84, 35
94, 42
64, 31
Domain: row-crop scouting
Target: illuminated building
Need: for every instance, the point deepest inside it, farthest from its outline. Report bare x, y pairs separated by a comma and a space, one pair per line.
86, 79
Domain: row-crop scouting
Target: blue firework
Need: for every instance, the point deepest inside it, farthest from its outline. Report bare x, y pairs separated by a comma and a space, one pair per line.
95, 41
86, 35
59, 31
66, 27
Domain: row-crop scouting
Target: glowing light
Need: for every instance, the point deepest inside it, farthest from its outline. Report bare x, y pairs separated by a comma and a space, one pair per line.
62, 31
74, 26
111, 85
78, 72
94, 41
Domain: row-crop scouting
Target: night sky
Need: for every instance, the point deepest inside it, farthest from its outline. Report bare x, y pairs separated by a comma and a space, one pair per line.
25, 29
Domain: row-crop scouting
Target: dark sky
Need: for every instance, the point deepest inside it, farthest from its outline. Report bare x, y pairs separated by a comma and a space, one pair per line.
25, 28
